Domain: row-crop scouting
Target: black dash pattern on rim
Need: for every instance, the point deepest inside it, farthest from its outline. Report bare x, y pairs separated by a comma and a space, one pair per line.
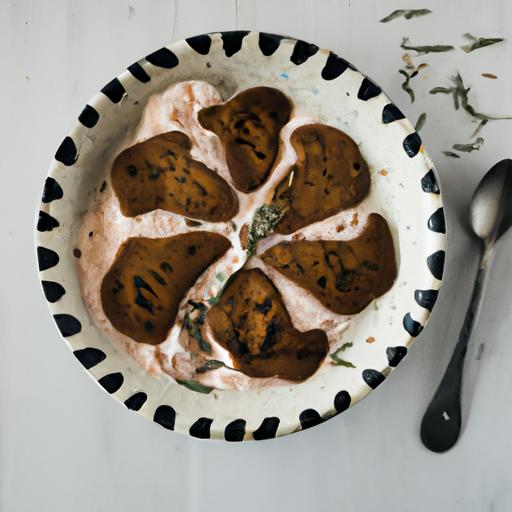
391, 113
46, 222
373, 377
269, 43
267, 429
342, 401
436, 222
368, 90
163, 58
235, 431
395, 355
46, 258
53, 291
68, 325
429, 183
90, 356
435, 263
309, 418
426, 298
165, 415
136, 401
52, 190
89, 116
201, 428
139, 73
232, 41
412, 144
114, 90
67, 153
412, 326
200, 44
111, 382
334, 67
302, 51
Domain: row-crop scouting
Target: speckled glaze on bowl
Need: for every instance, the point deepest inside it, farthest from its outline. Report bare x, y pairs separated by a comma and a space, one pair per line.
331, 89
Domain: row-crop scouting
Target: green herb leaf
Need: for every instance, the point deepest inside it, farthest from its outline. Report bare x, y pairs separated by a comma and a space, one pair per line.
481, 124
338, 361
442, 90
195, 386
405, 85
193, 325
479, 42
436, 48
406, 13
451, 154
421, 121
211, 364
263, 223
233, 225
220, 276
472, 146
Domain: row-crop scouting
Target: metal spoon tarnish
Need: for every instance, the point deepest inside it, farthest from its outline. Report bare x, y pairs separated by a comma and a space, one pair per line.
490, 216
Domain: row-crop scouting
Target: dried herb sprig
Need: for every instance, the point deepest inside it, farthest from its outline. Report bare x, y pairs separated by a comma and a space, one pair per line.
213, 364
193, 324
472, 146
451, 154
195, 386
263, 223
338, 361
406, 13
423, 49
408, 76
421, 121
479, 42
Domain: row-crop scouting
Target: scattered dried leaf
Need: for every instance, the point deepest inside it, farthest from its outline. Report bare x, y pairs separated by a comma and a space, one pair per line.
406, 13
424, 49
420, 122
492, 76
468, 148
479, 42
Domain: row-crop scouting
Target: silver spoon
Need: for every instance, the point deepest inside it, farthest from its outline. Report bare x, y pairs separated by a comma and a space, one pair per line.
490, 216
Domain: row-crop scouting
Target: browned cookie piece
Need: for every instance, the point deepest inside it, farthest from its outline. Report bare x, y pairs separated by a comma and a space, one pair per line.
160, 173
141, 292
251, 321
248, 126
344, 276
328, 176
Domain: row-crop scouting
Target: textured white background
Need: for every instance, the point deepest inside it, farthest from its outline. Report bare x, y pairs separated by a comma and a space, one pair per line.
66, 446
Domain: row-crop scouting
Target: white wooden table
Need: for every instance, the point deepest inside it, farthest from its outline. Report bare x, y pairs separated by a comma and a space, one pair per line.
65, 446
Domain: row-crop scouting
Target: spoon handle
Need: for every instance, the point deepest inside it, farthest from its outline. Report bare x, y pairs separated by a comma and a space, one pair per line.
441, 424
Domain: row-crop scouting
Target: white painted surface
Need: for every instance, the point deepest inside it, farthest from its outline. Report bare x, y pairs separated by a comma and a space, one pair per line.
64, 445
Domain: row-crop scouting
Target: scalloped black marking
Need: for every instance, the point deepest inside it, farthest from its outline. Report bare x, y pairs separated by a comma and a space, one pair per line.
342, 401
46, 258
429, 183
395, 355
267, 429
412, 144
111, 382
373, 378
67, 152
138, 72
200, 44
201, 428
163, 58
89, 116
436, 222
90, 356
52, 291
52, 190
136, 401
114, 90
46, 222
68, 325
269, 43
426, 298
302, 51
334, 67
391, 113
232, 41
411, 326
309, 418
368, 90
165, 415
235, 431
435, 263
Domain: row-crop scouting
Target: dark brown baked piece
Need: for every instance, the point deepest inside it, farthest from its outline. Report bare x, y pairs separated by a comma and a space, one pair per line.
344, 276
141, 292
248, 126
160, 173
251, 321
